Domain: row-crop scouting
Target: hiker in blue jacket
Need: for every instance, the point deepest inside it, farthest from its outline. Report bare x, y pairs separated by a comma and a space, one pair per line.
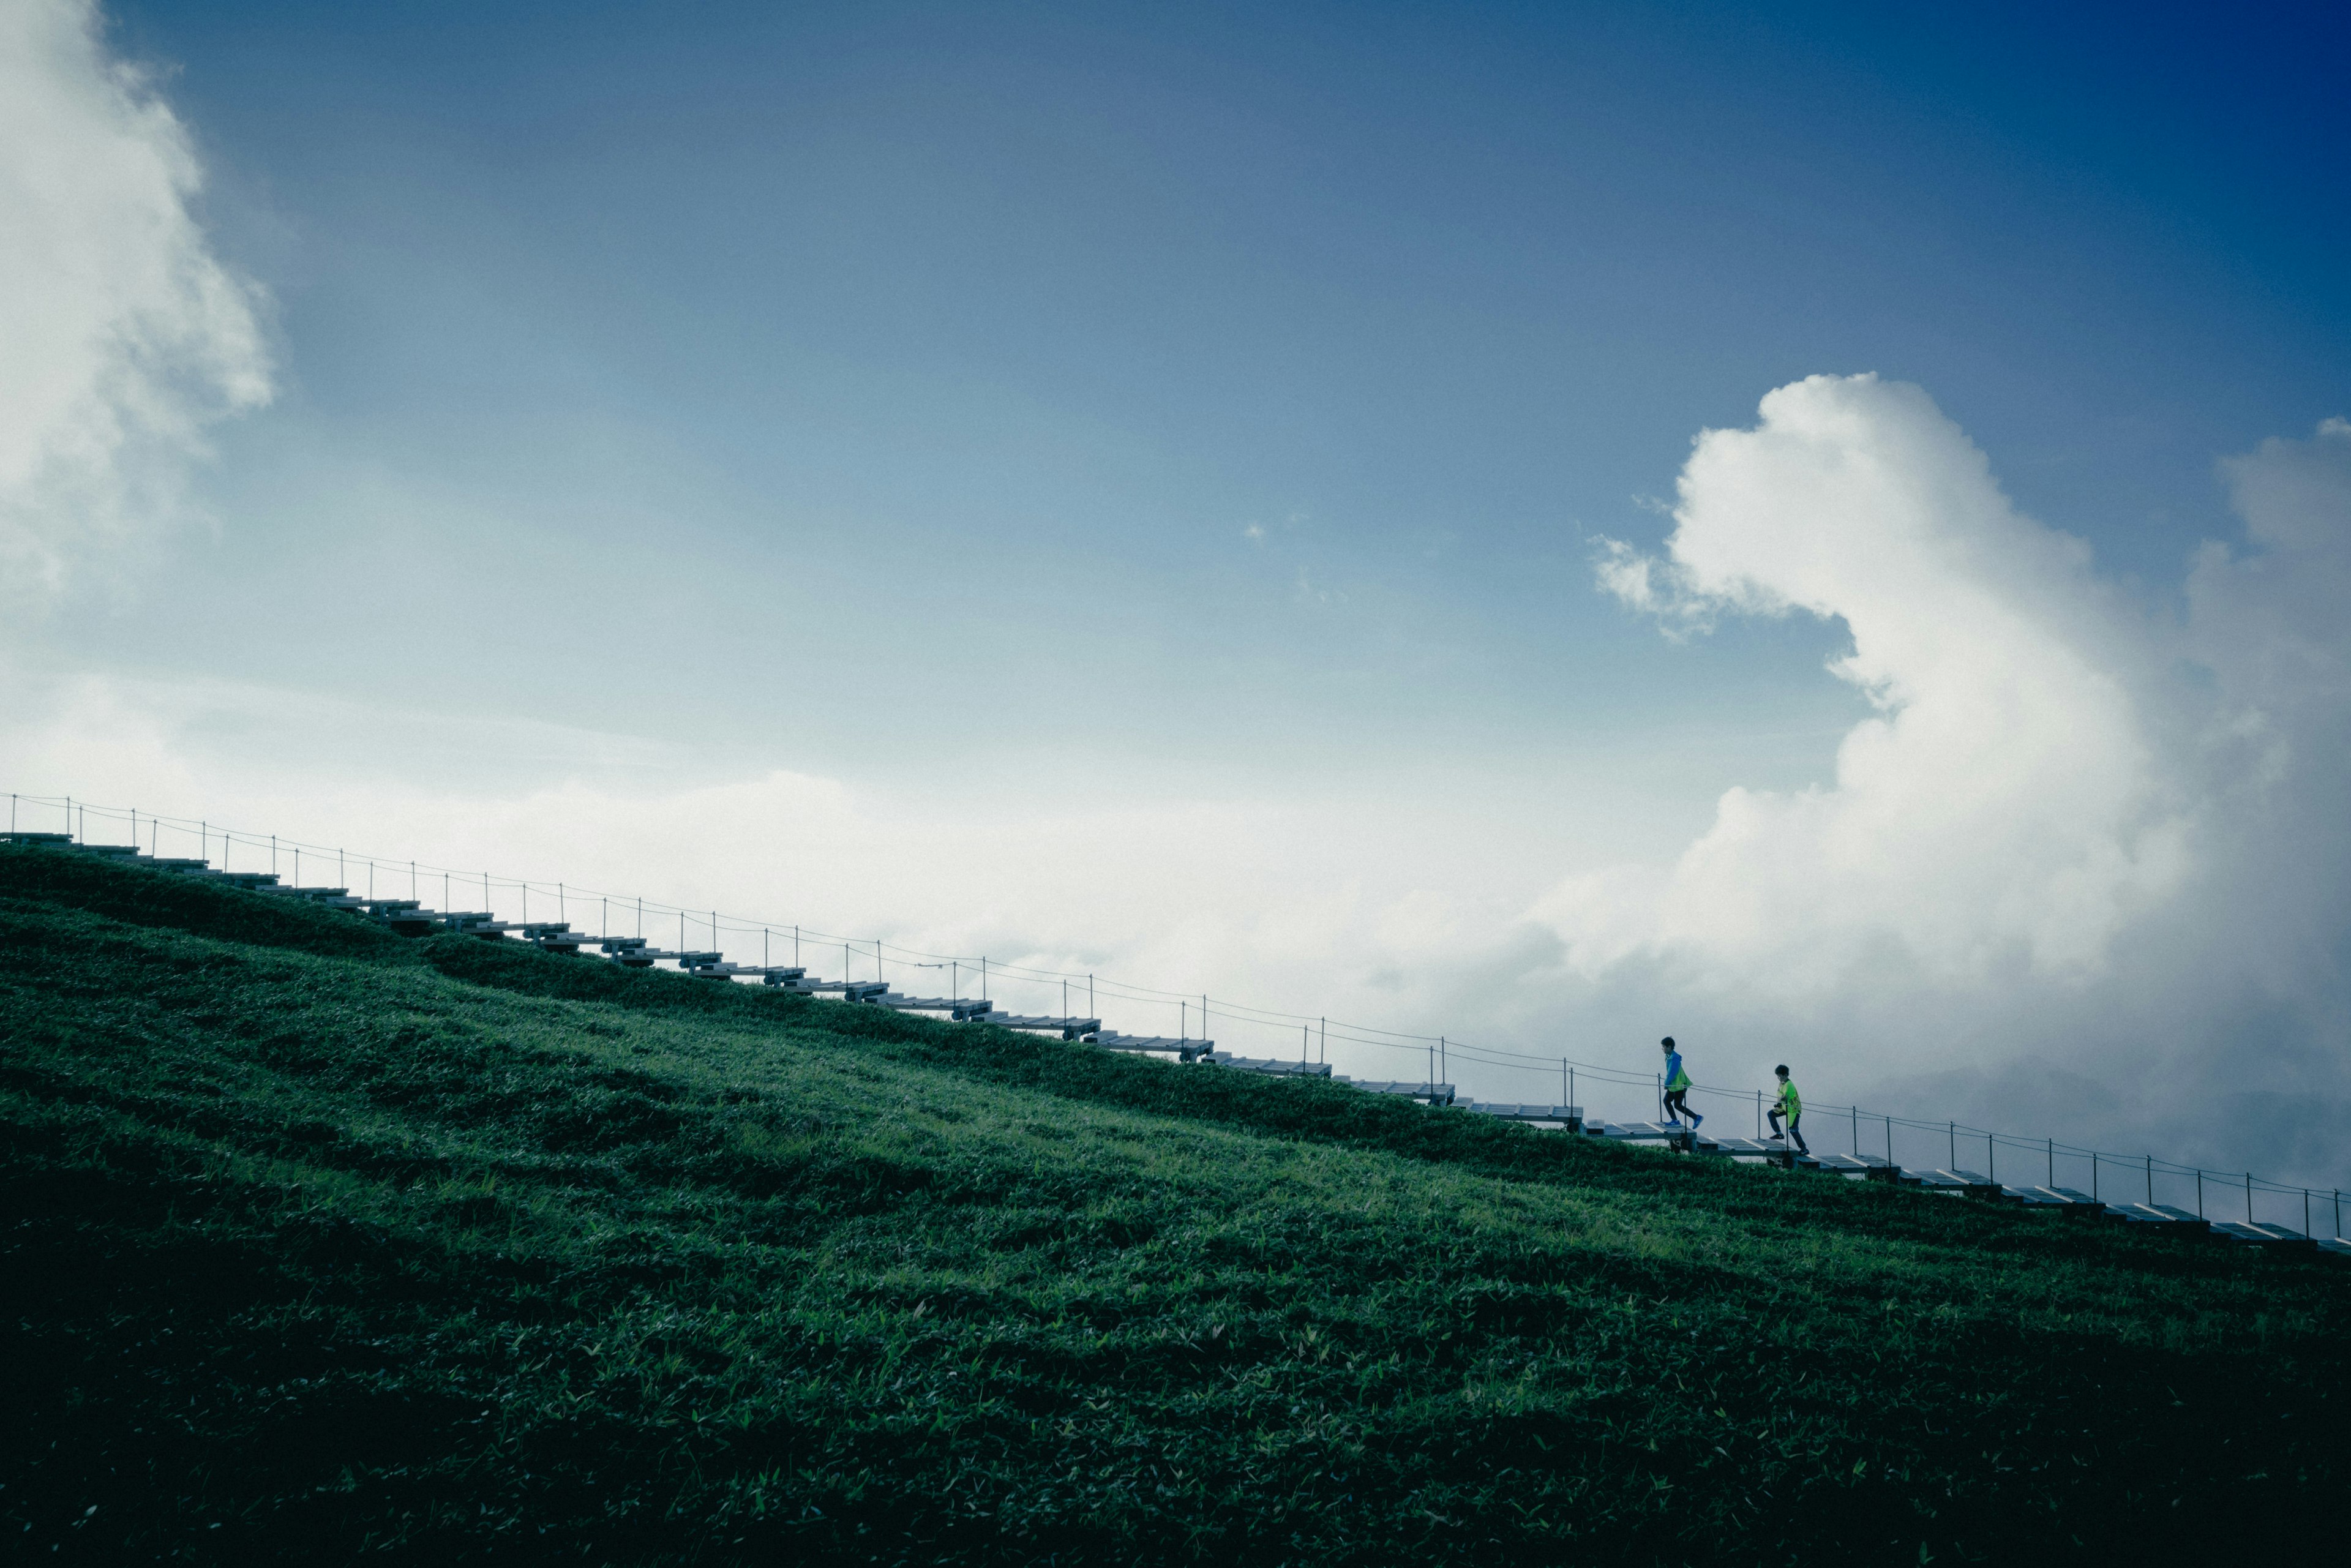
1677, 1085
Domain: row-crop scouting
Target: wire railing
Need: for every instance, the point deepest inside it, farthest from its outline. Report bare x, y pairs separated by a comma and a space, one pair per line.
1898, 1140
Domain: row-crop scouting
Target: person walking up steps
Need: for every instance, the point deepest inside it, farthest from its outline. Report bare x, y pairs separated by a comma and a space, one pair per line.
1791, 1106
1677, 1085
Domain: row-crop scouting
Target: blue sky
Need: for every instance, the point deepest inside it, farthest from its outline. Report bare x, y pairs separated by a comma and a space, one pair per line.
866, 339
1098, 443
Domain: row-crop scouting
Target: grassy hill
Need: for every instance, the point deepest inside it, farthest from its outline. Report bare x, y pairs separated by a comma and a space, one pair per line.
315, 1243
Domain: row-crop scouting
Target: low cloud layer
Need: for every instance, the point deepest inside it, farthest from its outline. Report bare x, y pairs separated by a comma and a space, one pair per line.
124, 335
2083, 864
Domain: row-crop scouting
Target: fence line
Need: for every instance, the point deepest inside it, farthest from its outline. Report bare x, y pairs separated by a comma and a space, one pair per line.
1869, 1132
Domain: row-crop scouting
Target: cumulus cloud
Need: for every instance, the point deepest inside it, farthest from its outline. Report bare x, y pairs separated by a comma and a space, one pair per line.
125, 335
2271, 627
2076, 843
2002, 805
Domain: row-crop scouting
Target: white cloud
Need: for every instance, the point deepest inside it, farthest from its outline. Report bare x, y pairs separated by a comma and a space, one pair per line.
124, 335
2003, 803
2083, 865
1644, 584
2272, 744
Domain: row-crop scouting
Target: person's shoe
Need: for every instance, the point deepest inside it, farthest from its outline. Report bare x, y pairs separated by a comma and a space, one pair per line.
1776, 1138
1695, 1120
1672, 1121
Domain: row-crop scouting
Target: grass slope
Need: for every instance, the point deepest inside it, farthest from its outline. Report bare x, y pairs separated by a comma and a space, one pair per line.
318, 1243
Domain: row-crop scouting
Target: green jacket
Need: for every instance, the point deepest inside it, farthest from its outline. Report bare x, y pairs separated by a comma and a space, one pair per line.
1792, 1104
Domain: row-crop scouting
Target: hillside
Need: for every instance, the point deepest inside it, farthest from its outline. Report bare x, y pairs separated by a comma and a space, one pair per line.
320, 1242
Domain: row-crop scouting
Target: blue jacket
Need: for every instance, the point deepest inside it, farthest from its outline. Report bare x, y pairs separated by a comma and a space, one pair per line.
1674, 1078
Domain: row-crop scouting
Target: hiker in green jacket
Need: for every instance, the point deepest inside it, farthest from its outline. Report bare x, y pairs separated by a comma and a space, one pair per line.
1791, 1106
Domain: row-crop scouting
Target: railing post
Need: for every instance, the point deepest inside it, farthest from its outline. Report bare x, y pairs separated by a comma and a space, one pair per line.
2053, 1162
2150, 1179
1952, 1130
2249, 1198
2200, 1192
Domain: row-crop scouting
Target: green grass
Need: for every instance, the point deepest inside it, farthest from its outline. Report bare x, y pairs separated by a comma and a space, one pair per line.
317, 1243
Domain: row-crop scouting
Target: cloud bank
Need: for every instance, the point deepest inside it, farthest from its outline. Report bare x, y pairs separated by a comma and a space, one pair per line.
2093, 856
124, 335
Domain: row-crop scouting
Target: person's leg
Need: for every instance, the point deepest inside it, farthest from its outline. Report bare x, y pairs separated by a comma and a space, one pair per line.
1773, 1117
1674, 1106
1795, 1133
